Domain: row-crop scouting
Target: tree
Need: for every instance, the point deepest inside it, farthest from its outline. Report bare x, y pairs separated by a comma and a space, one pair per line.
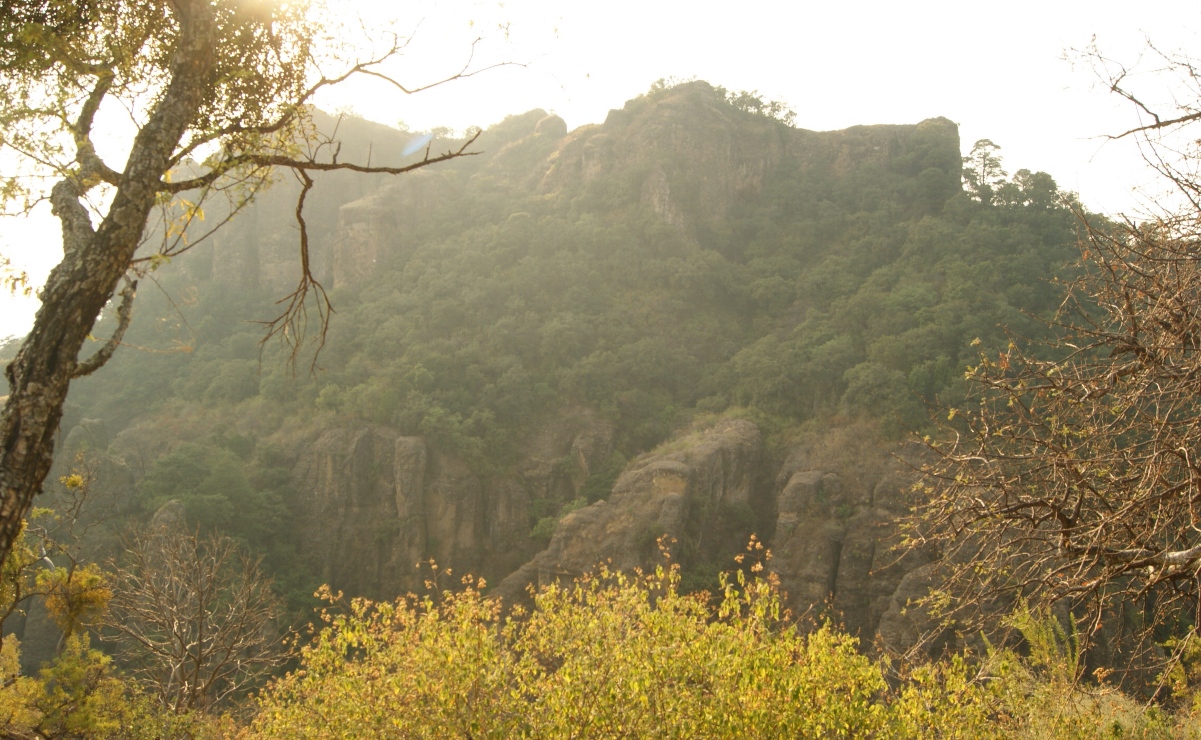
220, 95
194, 618
72, 589
1075, 477
982, 172
77, 695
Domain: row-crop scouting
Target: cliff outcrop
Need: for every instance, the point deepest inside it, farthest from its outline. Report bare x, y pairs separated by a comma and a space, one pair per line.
684, 154
836, 538
689, 491
833, 510
374, 504
687, 151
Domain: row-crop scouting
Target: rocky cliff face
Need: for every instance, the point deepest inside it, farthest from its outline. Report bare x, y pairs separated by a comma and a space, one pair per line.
686, 147
374, 504
689, 154
835, 521
683, 154
354, 221
836, 538
685, 492
380, 223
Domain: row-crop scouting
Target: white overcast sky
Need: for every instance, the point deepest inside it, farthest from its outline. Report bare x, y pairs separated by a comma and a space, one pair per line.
997, 69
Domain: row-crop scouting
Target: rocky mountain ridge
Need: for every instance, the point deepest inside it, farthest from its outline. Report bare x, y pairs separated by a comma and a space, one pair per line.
683, 154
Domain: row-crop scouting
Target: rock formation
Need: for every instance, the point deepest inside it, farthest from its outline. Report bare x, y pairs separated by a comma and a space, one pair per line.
835, 543
685, 492
694, 157
681, 152
373, 503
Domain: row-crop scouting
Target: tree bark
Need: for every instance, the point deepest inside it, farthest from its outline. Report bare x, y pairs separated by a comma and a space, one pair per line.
94, 262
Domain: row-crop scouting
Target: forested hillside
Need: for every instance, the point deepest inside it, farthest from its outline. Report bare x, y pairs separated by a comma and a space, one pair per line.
513, 329
686, 254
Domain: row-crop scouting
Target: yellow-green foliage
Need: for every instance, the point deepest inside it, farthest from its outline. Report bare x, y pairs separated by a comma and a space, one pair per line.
74, 594
611, 655
81, 695
615, 655
1047, 698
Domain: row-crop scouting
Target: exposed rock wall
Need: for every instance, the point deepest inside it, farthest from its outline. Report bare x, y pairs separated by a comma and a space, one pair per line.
683, 152
374, 503
365, 510
835, 527
688, 146
384, 223
681, 492
375, 226
694, 156
834, 544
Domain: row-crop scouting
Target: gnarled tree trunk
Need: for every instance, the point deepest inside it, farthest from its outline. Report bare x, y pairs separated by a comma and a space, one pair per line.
94, 262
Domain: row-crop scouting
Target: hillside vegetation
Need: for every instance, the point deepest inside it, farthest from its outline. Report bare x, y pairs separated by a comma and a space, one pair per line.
688, 325
688, 256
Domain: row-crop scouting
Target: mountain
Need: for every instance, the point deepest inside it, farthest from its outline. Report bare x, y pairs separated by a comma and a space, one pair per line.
692, 320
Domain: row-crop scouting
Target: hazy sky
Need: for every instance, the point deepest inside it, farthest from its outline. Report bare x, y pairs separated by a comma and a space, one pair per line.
997, 69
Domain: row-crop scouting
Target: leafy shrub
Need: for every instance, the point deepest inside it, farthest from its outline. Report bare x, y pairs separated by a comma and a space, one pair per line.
611, 655
545, 528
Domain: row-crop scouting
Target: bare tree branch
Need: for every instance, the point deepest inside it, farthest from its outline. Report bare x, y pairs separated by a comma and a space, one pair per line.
311, 165
194, 617
292, 325
1074, 479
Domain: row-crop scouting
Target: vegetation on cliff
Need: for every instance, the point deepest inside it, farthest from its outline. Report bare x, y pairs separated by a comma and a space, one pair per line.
818, 292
